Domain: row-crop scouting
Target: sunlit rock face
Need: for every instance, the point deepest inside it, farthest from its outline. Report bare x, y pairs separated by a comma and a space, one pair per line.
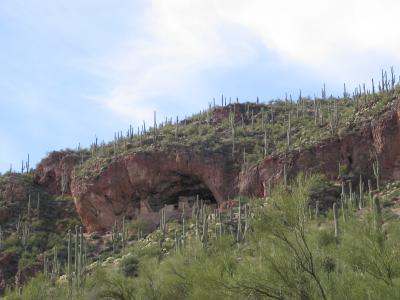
356, 151
140, 184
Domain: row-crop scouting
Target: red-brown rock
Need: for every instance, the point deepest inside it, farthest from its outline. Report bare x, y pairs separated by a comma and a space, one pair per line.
355, 150
139, 184
49, 171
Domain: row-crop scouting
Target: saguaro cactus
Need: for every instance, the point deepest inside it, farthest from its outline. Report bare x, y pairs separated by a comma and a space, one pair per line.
289, 129
204, 236
69, 259
233, 141
265, 143
25, 234
239, 222
375, 167
377, 212
155, 127
64, 183
284, 175
336, 219
38, 205
28, 215
1, 238
76, 250
361, 192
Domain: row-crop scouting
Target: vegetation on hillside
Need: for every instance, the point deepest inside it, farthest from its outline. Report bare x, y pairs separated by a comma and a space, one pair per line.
249, 131
293, 245
291, 250
36, 226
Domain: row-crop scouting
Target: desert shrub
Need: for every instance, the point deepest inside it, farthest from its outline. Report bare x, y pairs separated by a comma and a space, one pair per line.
129, 266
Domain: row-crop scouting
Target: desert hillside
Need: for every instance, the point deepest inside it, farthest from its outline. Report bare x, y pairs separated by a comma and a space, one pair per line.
290, 199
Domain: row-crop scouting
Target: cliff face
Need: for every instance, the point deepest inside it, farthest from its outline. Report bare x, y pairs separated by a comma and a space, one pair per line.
140, 184
355, 151
51, 171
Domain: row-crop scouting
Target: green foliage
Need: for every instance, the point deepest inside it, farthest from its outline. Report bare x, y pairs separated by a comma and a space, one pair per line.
211, 130
110, 285
129, 266
38, 288
286, 255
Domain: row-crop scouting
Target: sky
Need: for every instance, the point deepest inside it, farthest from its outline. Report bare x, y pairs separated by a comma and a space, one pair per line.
72, 70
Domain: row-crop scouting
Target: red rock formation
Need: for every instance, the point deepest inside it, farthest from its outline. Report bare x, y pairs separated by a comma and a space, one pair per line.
49, 171
355, 150
157, 178
139, 184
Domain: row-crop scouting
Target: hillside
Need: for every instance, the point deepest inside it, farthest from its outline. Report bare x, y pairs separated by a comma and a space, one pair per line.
257, 200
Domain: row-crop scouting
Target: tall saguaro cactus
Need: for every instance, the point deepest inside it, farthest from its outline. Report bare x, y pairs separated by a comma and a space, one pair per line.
377, 212
361, 190
1, 238
375, 166
289, 129
336, 219
265, 143
76, 250
38, 205
69, 258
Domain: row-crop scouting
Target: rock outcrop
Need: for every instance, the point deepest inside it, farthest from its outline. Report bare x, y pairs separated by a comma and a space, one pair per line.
356, 151
54, 169
139, 184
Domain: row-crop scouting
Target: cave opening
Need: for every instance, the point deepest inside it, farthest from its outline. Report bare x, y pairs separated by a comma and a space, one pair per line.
183, 189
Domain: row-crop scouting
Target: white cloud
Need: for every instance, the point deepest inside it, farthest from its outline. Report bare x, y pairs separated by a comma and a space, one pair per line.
321, 33
179, 40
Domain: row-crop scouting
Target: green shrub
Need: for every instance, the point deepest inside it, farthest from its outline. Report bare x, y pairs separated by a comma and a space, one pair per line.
129, 266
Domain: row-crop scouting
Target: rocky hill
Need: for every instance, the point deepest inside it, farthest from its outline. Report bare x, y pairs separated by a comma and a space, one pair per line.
236, 149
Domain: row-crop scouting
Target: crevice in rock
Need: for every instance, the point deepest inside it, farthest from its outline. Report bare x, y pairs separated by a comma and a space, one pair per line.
184, 189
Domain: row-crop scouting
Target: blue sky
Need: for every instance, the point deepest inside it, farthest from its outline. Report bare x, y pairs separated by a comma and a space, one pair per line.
70, 70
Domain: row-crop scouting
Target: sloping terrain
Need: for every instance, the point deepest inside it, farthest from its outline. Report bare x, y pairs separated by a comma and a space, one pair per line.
125, 189
226, 151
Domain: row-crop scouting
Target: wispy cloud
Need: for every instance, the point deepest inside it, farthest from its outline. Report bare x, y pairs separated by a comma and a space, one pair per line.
179, 41
175, 42
58, 57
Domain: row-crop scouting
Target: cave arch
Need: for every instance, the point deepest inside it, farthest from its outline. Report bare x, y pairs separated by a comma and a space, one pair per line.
180, 188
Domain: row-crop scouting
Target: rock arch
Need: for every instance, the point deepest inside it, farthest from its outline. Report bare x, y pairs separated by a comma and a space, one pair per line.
140, 184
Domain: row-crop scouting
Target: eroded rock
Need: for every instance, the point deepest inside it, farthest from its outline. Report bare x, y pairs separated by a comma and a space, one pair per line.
140, 184
56, 168
356, 151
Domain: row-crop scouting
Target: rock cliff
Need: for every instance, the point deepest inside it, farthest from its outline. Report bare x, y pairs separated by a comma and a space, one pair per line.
139, 184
